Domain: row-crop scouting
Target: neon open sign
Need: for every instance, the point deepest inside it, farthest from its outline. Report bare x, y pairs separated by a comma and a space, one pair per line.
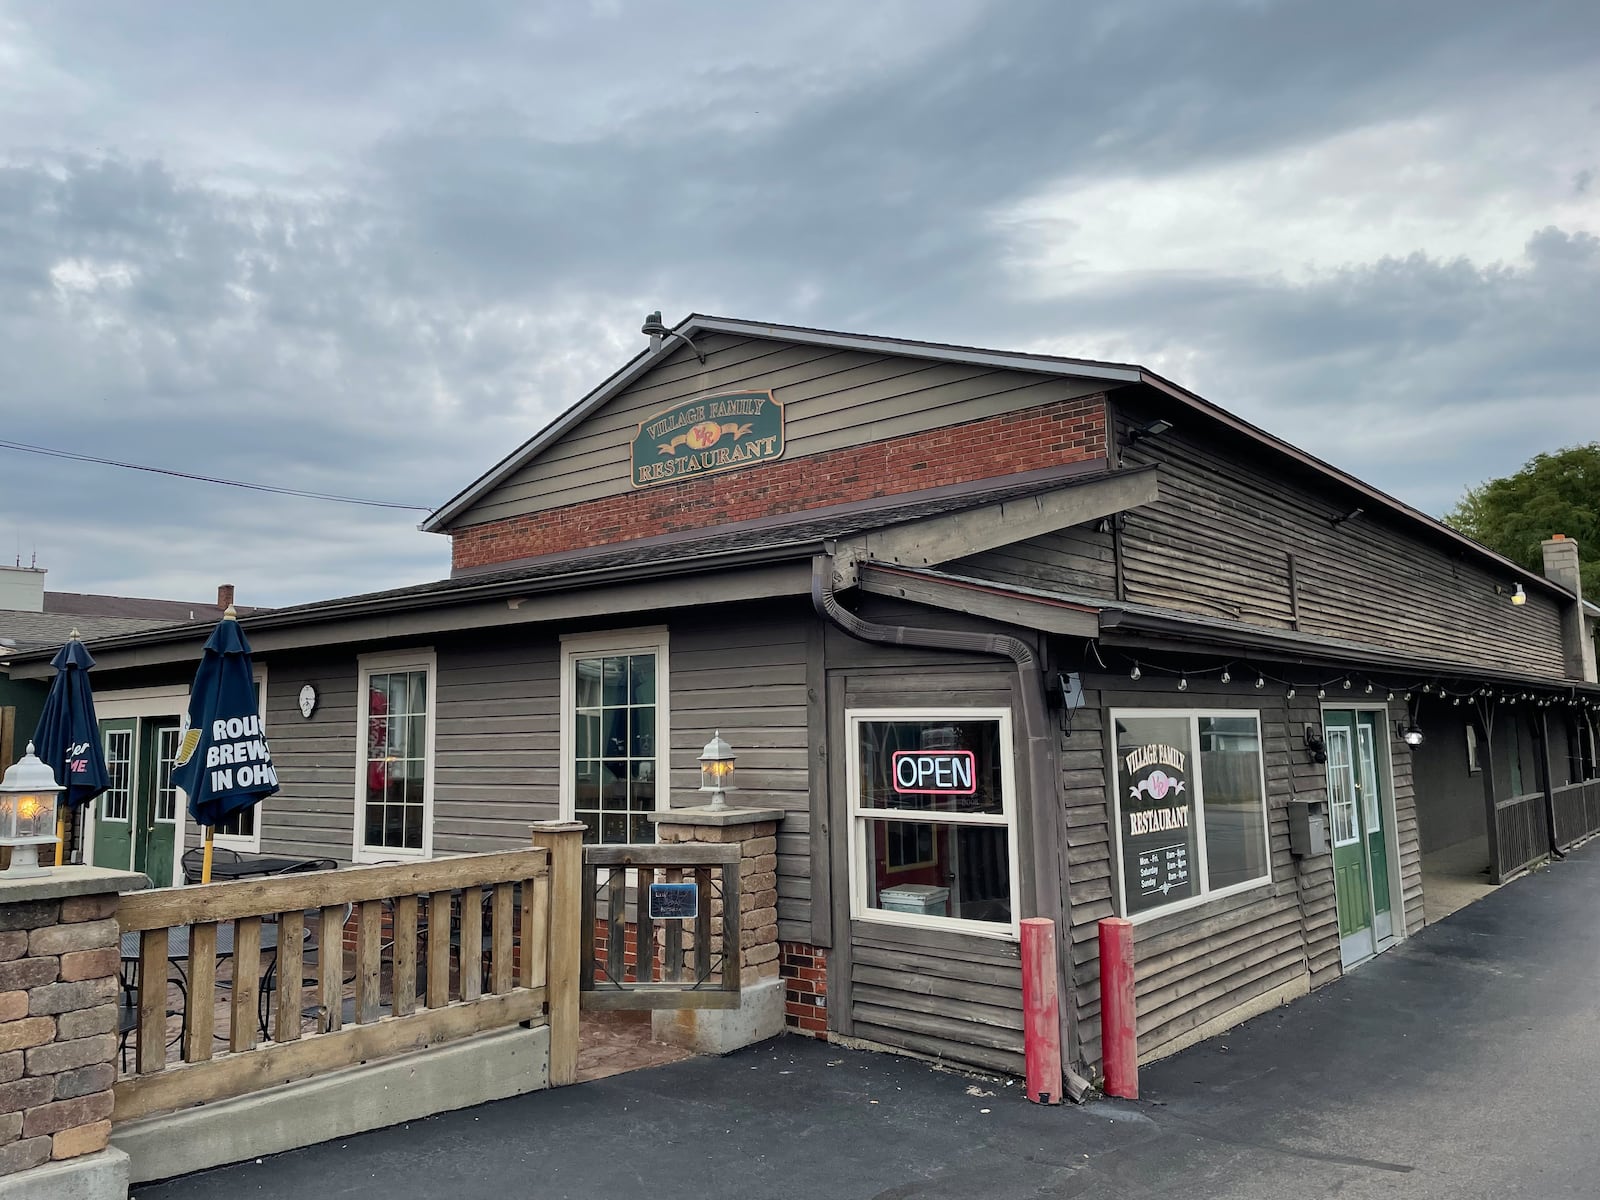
935, 772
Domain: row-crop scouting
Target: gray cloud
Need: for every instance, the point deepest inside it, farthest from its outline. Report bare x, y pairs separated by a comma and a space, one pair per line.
368, 250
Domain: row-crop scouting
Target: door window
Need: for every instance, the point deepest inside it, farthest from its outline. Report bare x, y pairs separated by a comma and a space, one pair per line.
167, 740
1371, 808
1341, 787
115, 802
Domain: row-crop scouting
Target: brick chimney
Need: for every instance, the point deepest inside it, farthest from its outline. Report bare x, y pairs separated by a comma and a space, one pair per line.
1561, 568
224, 595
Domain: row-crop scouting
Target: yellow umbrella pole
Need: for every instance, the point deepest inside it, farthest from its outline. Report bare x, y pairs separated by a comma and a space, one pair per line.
61, 834
205, 863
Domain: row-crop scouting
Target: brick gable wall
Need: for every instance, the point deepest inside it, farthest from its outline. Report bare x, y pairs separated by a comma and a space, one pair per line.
1050, 435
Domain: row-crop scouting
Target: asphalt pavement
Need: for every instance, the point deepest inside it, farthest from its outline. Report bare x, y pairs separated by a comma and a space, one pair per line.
1463, 1064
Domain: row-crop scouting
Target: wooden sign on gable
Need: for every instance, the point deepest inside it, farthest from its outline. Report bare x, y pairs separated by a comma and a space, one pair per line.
704, 436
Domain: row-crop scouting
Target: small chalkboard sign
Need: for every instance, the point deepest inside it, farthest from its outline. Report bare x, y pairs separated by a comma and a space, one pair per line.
674, 901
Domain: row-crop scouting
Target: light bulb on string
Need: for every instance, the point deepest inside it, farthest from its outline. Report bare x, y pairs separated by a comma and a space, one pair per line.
1183, 683
1346, 685
1225, 677
1135, 673
1322, 693
1261, 681
1369, 689
1389, 697
1289, 695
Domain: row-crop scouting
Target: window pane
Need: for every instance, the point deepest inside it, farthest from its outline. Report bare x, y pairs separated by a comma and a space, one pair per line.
587, 731
944, 870
1157, 831
614, 785
614, 732
642, 785
614, 827
642, 733
586, 784
1230, 774
586, 682
591, 826
642, 678
615, 681
932, 766
418, 700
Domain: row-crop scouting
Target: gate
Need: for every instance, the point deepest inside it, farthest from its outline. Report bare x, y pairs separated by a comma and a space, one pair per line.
671, 926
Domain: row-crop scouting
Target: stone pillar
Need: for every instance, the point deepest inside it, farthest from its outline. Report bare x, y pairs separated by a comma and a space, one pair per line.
1561, 568
760, 1014
59, 966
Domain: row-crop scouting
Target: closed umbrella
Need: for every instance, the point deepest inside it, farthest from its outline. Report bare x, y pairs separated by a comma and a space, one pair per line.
67, 739
223, 762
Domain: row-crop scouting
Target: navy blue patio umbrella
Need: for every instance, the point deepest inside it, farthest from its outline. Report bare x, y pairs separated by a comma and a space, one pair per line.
223, 763
67, 738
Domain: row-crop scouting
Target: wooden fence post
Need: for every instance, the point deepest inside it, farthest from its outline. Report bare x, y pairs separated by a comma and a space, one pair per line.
564, 841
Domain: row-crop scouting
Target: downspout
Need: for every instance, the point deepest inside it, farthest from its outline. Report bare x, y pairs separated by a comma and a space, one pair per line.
1030, 685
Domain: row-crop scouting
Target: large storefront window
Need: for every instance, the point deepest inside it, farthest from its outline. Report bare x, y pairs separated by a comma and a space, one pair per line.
933, 818
1191, 807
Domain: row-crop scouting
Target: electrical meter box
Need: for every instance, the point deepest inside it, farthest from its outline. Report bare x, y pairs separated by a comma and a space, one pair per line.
1308, 827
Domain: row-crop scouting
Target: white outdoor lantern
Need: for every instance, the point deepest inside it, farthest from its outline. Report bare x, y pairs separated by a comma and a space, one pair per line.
28, 814
716, 768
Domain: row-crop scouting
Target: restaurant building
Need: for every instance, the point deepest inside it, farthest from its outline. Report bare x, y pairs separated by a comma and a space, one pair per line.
1001, 634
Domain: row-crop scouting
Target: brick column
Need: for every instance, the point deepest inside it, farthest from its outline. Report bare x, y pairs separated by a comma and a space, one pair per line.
59, 966
760, 1011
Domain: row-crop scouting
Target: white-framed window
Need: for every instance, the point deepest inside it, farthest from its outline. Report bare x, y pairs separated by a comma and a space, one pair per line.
116, 801
1190, 803
933, 834
615, 725
396, 701
242, 830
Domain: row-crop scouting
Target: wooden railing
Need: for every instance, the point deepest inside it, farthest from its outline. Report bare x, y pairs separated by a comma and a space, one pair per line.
442, 950
1520, 829
1577, 811
677, 962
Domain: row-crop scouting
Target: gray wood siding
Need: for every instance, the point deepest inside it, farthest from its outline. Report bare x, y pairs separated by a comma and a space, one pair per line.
497, 741
1198, 965
743, 672
313, 813
952, 996
1079, 561
832, 399
1218, 541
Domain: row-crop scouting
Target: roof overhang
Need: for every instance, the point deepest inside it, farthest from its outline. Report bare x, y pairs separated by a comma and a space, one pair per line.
977, 599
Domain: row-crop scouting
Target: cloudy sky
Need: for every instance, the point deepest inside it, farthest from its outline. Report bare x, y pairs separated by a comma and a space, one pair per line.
368, 248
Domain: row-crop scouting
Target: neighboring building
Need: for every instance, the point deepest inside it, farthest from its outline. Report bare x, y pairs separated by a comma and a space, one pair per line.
1002, 634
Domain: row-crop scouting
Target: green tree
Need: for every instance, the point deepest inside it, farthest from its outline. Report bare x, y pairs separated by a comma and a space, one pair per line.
1552, 493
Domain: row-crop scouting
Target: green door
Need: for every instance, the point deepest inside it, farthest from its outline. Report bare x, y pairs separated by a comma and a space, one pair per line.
1356, 809
113, 808
156, 800
1369, 782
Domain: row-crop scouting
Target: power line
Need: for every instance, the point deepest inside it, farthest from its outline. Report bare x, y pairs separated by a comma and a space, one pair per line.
254, 487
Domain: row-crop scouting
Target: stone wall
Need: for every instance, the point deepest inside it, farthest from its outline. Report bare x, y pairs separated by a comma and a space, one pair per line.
58, 1028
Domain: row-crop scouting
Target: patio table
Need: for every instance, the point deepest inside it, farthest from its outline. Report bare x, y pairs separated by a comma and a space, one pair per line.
178, 953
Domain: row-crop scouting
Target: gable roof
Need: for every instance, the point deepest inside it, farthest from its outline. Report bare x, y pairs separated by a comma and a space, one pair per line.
1047, 364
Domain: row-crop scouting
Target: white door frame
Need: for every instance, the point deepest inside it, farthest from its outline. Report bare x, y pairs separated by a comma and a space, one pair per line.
1383, 753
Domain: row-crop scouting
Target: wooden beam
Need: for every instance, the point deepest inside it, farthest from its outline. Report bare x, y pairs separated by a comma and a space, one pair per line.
166, 907
672, 854
991, 603
935, 540
636, 998
266, 1066
563, 841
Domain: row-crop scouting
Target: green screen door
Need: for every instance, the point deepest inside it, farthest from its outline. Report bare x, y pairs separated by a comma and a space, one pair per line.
1360, 845
156, 800
112, 810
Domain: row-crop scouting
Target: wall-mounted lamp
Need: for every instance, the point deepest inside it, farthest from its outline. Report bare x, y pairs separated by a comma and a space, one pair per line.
1315, 746
1148, 430
1343, 517
1409, 732
1519, 596
656, 329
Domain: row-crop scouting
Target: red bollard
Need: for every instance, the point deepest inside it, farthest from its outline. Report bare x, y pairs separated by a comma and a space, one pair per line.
1041, 1011
1119, 1028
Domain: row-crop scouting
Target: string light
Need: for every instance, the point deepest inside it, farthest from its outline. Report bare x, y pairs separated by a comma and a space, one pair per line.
1183, 683
1346, 684
1369, 689
1390, 696
1322, 693
1135, 673
1289, 695
1226, 678
1261, 681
